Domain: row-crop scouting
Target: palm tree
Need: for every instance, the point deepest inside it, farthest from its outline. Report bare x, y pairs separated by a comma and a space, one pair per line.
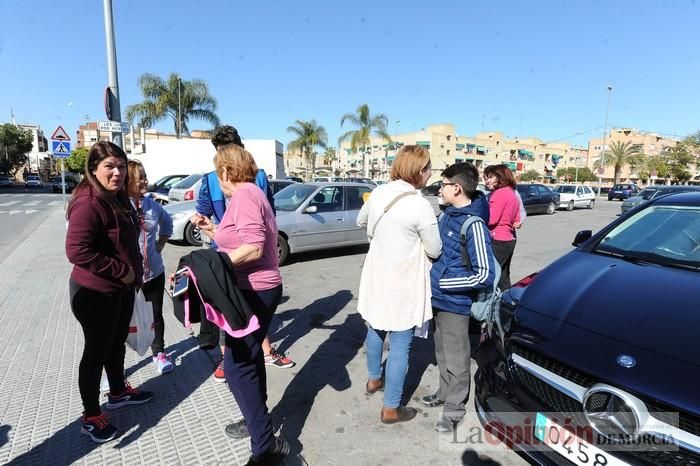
309, 135
366, 124
172, 98
619, 155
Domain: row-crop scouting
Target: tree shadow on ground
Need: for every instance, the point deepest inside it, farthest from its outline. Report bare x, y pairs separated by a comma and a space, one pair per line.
327, 253
472, 458
422, 355
325, 367
301, 321
68, 446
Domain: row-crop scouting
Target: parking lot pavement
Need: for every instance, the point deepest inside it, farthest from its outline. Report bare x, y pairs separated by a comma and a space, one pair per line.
319, 405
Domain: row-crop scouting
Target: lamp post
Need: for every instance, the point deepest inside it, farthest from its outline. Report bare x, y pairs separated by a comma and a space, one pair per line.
605, 135
179, 106
113, 94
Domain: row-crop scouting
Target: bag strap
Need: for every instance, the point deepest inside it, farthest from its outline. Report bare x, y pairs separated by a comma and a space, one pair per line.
472, 219
389, 206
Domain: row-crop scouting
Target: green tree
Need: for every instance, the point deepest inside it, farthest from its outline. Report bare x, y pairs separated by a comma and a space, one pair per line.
15, 143
329, 155
309, 135
679, 158
162, 99
530, 175
76, 160
620, 155
366, 124
569, 174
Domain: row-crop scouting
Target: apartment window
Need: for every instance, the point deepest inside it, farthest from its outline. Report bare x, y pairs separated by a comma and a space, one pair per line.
449, 137
448, 151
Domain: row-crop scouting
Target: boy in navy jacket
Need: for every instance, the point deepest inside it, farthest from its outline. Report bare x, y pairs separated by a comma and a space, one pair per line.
453, 284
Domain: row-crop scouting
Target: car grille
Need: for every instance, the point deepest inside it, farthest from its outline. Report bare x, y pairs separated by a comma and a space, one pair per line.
555, 401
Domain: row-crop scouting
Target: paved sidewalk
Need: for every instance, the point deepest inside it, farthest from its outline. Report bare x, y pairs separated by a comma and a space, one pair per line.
319, 405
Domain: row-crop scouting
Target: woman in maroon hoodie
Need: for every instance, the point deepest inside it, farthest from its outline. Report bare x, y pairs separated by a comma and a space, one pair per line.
102, 245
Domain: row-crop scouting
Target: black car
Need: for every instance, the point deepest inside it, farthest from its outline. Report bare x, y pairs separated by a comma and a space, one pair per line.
278, 185
360, 180
623, 191
163, 185
57, 186
603, 342
294, 178
538, 198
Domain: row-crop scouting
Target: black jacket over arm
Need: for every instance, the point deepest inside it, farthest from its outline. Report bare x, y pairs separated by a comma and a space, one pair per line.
218, 286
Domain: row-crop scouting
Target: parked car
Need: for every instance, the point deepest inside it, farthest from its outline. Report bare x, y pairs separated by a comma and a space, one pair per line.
571, 195
294, 178
57, 185
5, 182
33, 181
623, 191
432, 194
651, 192
163, 185
186, 189
278, 185
319, 216
603, 340
183, 229
361, 180
320, 179
538, 198
337, 179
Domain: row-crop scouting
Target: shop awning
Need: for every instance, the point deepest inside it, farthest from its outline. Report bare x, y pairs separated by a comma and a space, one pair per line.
425, 144
459, 159
459, 146
481, 149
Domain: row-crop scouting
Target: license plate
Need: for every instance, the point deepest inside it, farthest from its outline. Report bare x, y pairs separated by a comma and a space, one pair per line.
570, 446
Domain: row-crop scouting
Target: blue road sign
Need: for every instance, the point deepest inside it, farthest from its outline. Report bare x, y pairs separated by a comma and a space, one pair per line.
60, 149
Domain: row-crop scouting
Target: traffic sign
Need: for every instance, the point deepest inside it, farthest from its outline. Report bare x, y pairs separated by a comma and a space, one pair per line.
60, 149
60, 134
114, 126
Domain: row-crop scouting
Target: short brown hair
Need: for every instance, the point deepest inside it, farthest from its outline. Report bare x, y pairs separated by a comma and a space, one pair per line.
134, 167
410, 161
236, 162
503, 173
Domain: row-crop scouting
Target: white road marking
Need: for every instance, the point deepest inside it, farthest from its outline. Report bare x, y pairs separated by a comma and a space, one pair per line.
31, 203
5, 204
27, 212
12, 212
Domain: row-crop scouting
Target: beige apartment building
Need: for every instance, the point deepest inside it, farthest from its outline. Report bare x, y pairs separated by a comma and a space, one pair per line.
88, 134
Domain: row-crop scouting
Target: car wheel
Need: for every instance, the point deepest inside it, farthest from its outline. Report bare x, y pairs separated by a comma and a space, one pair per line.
192, 235
591, 204
570, 206
551, 208
282, 249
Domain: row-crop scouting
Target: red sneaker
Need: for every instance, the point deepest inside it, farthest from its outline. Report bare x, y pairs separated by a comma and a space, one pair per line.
278, 360
219, 375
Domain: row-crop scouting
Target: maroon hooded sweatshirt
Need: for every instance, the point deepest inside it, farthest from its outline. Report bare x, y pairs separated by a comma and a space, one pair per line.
101, 243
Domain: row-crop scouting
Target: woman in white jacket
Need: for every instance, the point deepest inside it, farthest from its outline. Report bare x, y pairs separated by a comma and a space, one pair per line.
394, 295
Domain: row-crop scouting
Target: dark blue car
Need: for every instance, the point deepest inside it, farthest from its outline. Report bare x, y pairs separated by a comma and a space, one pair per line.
595, 360
623, 191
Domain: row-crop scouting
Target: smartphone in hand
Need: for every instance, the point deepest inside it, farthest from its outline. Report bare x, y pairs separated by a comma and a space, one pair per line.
180, 283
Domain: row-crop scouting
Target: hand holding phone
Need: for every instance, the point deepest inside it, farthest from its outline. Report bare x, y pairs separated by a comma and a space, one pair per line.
180, 283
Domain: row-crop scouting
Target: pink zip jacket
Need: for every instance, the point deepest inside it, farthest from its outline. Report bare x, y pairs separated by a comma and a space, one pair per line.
504, 210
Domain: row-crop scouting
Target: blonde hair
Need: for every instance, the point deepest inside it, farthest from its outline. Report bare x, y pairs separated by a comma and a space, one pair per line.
409, 163
237, 163
134, 168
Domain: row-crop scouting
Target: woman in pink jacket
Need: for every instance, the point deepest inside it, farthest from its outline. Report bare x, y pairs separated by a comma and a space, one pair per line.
504, 214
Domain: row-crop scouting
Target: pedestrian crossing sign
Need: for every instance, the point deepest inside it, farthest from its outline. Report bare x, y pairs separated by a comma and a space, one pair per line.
60, 149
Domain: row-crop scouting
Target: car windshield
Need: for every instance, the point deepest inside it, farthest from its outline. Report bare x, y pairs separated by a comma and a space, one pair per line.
664, 234
291, 197
33, 178
187, 182
647, 194
565, 189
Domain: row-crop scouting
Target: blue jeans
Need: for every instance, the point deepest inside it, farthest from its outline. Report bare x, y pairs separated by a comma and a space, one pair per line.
396, 363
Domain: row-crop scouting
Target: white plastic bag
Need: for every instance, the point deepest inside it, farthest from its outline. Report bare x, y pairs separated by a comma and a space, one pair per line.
141, 332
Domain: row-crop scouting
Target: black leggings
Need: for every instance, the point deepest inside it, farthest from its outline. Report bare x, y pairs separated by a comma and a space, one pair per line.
503, 250
105, 319
153, 292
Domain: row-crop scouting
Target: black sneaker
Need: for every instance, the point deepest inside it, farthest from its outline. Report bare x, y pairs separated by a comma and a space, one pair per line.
276, 454
130, 396
237, 430
432, 401
98, 428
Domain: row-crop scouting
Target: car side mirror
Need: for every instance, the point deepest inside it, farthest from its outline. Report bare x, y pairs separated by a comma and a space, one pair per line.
581, 237
312, 209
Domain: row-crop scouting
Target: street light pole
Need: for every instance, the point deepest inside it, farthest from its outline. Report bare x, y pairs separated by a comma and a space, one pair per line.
113, 95
605, 135
179, 106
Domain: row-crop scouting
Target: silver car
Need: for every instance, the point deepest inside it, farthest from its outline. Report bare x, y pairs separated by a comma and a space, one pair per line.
186, 189
651, 192
315, 216
183, 229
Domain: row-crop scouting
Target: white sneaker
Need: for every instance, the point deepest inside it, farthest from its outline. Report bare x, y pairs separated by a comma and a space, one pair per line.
163, 363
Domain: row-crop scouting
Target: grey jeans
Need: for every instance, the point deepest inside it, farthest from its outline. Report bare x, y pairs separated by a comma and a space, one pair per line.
452, 352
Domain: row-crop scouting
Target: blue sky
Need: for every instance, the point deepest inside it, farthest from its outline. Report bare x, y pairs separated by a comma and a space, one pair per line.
527, 68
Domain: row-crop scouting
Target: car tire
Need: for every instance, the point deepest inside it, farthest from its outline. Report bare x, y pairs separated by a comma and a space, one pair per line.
591, 204
192, 235
570, 206
282, 249
551, 208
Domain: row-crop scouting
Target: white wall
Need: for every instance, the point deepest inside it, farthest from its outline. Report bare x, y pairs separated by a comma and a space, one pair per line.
185, 156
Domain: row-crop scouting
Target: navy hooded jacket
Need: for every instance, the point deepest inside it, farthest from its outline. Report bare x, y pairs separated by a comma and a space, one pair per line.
452, 283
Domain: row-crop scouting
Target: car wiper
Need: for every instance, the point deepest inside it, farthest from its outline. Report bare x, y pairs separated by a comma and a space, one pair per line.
625, 257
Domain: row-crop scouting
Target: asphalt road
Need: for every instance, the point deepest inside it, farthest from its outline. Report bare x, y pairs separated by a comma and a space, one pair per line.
21, 210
